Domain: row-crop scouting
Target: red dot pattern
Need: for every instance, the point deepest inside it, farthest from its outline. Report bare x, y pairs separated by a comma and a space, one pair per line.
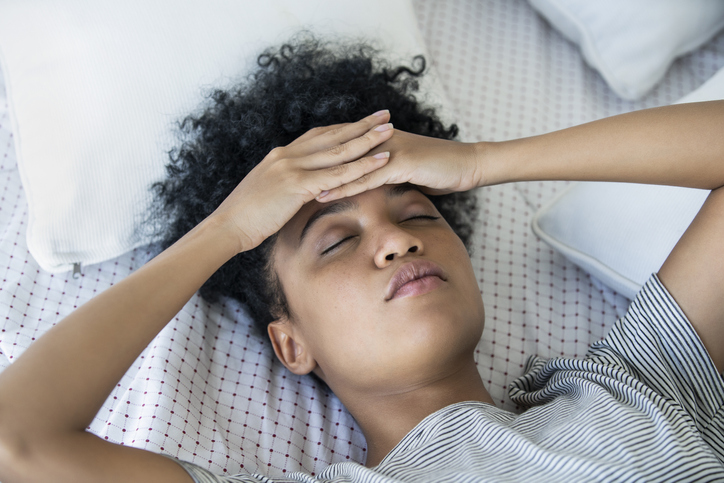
208, 389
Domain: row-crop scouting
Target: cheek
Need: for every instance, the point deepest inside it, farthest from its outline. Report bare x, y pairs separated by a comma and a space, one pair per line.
339, 311
354, 335
333, 303
337, 289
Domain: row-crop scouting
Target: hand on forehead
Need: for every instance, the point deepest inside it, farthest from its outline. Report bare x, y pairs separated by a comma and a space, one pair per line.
313, 212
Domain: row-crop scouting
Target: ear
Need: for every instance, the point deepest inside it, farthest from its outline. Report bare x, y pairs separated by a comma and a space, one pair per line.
290, 348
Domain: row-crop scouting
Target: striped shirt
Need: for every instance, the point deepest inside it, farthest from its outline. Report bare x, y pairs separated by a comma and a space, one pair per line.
645, 404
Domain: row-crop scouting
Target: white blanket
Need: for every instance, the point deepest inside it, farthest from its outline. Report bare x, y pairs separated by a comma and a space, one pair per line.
208, 389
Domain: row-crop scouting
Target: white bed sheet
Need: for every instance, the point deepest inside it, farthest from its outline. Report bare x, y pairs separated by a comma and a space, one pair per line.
208, 389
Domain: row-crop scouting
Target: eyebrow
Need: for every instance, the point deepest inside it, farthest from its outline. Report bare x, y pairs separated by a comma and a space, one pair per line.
395, 191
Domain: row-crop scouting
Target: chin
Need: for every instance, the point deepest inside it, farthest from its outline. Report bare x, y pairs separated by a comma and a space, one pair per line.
447, 321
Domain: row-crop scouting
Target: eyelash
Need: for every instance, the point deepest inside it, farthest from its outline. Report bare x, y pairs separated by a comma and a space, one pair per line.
327, 250
423, 217
418, 217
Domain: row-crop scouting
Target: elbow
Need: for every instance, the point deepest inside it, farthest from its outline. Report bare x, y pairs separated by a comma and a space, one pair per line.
15, 454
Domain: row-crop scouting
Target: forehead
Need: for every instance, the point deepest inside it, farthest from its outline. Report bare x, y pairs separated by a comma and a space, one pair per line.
350, 204
313, 211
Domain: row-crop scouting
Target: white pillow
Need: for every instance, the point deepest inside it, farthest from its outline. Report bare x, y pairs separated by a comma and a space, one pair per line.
95, 89
633, 42
622, 232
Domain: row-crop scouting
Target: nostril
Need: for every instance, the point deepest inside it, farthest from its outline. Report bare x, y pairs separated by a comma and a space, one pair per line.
412, 249
391, 256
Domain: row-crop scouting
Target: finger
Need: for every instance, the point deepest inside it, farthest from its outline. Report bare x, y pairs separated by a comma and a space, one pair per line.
365, 182
316, 131
352, 150
336, 176
342, 134
434, 191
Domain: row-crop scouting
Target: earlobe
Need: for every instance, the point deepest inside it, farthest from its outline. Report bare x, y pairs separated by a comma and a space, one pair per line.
288, 347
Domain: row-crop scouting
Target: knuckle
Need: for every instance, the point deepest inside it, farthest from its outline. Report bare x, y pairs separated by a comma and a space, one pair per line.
335, 131
368, 139
338, 170
276, 153
316, 130
337, 149
365, 163
362, 179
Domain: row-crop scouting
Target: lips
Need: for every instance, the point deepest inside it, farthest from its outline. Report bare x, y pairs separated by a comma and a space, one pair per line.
414, 278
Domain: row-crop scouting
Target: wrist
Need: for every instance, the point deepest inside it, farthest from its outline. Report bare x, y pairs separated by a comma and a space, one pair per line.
506, 161
220, 236
488, 167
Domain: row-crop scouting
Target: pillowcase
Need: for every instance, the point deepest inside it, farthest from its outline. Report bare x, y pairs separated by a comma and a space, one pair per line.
95, 90
633, 43
622, 232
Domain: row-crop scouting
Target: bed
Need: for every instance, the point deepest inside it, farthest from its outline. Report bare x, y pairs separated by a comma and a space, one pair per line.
208, 388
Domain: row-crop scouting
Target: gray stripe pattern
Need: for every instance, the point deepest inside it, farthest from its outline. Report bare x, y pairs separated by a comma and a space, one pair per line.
645, 404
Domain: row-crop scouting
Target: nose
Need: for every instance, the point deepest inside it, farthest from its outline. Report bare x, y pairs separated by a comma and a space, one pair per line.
396, 242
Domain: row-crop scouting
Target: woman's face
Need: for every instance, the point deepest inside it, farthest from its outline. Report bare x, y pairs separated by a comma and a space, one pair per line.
346, 269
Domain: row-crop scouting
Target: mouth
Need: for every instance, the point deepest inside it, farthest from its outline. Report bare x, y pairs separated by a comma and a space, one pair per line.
415, 278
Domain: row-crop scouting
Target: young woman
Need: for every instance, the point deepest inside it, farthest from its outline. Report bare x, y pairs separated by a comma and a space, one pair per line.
366, 286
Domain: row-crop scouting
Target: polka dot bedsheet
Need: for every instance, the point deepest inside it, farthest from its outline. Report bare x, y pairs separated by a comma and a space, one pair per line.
208, 389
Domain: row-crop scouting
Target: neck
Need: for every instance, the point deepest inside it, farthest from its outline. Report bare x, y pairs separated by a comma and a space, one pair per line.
386, 419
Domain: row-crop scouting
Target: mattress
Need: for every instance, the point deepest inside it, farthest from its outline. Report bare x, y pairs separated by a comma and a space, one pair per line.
208, 388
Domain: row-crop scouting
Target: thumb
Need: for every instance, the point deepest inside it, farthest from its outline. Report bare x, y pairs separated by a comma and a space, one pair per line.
435, 191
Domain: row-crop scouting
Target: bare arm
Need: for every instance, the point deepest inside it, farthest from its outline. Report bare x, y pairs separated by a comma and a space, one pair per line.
52, 392
677, 145
680, 145
694, 274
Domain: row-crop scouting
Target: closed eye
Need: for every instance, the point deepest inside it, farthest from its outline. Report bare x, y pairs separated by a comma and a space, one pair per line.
422, 217
343, 240
336, 245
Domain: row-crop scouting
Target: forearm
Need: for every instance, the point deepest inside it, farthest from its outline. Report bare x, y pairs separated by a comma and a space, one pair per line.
61, 381
52, 392
680, 145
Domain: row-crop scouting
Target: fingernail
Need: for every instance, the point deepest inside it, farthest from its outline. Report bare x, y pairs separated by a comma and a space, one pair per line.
384, 155
381, 113
384, 127
322, 194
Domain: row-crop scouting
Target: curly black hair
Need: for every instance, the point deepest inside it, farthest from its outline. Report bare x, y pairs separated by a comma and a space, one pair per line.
303, 84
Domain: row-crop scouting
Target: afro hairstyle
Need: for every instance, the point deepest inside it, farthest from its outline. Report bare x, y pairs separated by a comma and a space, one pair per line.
303, 84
